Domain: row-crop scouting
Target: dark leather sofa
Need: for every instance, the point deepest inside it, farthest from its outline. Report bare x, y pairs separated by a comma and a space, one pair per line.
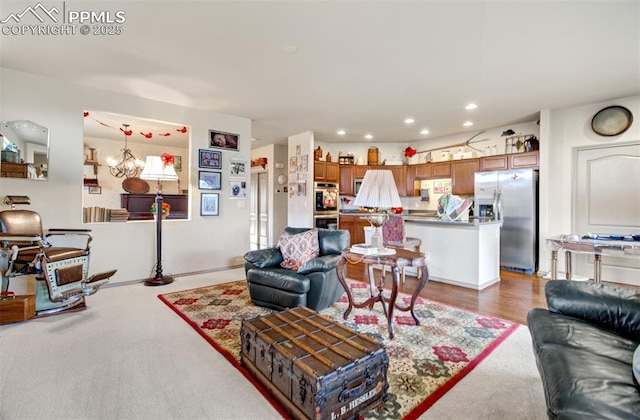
314, 285
584, 347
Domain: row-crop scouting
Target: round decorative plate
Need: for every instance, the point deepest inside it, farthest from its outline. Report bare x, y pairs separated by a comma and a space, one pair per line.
611, 121
135, 185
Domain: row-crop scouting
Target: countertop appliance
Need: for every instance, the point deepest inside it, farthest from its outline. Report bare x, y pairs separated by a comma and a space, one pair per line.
512, 197
325, 213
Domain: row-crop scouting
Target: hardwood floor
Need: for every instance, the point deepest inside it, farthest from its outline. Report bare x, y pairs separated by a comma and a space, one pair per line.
510, 299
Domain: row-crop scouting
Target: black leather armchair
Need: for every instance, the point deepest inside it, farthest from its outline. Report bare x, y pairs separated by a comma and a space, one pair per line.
314, 285
584, 347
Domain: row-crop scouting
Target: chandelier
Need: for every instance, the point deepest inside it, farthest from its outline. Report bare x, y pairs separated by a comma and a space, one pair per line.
125, 164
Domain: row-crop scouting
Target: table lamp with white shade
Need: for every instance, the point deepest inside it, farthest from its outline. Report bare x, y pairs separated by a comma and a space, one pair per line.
377, 193
159, 168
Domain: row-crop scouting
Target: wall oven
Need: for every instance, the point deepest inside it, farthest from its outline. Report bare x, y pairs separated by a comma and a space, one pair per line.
326, 198
325, 212
326, 222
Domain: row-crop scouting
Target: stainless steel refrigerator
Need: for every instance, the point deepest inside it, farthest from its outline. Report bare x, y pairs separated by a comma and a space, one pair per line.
511, 196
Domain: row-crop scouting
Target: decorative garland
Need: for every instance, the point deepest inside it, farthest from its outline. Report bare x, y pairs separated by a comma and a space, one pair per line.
129, 133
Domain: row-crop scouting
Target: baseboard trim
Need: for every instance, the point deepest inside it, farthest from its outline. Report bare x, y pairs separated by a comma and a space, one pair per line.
186, 274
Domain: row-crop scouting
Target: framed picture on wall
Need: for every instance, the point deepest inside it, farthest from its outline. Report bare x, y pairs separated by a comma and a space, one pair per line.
177, 163
238, 168
94, 189
209, 180
222, 140
209, 204
238, 189
210, 159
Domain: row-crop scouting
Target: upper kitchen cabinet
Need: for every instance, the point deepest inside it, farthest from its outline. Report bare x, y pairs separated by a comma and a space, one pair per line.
326, 171
463, 176
347, 180
494, 163
524, 160
441, 170
510, 161
359, 171
423, 171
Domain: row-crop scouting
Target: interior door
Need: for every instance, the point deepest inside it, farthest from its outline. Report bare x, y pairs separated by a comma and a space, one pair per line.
263, 210
608, 202
253, 214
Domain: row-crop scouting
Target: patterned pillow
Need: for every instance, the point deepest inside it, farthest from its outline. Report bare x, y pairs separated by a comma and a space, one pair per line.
298, 249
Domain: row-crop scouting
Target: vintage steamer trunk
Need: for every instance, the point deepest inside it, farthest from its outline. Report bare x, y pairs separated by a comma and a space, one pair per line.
315, 367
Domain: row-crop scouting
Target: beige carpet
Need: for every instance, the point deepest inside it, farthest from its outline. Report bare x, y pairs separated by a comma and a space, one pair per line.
128, 357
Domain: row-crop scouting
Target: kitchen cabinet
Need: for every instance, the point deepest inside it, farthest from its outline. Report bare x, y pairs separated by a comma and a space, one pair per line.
524, 160
346, 180
355, 224
463, 176
422, 171
326, 171
441, 170
359, 171
494, 163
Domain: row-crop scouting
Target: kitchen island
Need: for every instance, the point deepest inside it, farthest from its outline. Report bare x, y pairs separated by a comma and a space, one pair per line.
460, 253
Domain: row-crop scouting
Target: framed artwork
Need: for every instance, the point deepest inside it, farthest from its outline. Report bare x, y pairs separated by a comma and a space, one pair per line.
238, 189
222, 140
210, 159
209, 180
209, 204
177, 163
238, 168
95, 190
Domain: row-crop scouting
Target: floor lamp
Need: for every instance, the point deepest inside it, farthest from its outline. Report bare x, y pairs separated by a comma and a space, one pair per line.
377, 192
156, 170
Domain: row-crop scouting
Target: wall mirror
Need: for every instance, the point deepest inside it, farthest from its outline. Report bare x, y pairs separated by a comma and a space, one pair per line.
25, 150
115, 149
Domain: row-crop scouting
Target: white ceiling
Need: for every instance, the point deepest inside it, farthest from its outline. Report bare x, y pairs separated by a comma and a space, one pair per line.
362, 66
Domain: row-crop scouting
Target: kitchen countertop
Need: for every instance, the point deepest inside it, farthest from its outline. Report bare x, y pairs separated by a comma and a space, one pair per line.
437, 221
429, 217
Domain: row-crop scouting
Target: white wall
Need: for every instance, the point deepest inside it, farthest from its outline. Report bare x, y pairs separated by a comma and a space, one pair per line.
198, 244
562, 131
300, 207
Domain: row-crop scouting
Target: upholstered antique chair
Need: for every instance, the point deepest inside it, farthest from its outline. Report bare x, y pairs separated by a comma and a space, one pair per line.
27, 252
300, 270
393, 234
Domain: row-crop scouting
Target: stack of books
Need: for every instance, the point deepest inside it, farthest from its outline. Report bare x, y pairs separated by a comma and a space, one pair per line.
118, 215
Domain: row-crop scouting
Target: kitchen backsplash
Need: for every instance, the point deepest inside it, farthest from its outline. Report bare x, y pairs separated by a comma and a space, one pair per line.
412, 203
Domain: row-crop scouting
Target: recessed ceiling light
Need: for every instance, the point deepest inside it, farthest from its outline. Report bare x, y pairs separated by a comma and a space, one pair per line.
423, 132
468, 124
291, 49
409, 121
368, 137
471, 106
341, 132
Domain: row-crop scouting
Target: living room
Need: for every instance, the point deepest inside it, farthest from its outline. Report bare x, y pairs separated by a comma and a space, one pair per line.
211, 245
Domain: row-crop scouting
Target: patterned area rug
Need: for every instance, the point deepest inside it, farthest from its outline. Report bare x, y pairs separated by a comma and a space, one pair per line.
425, 361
